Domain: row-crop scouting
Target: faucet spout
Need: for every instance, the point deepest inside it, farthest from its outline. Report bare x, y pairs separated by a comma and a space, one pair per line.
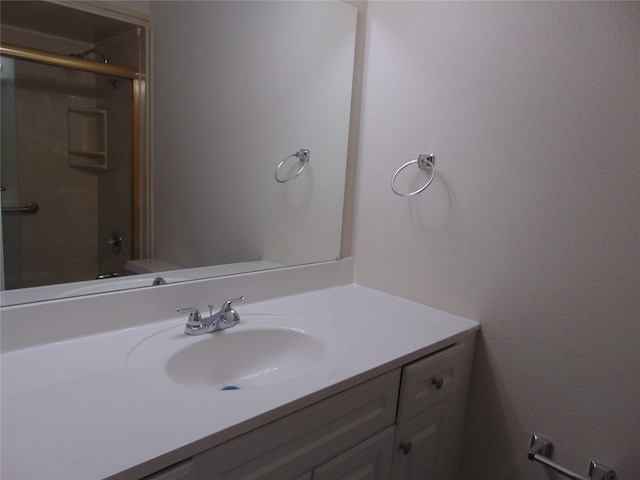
226, 317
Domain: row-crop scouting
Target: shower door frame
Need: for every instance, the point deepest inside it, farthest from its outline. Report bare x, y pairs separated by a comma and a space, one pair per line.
140, 189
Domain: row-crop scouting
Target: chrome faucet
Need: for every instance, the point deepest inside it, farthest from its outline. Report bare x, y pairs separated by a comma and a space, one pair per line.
226, 317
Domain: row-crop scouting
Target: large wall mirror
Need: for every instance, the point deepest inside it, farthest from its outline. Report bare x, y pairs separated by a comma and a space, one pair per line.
219, 148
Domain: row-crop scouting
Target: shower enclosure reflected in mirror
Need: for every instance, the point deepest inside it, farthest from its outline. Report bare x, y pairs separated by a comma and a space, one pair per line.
59, 157
235, 87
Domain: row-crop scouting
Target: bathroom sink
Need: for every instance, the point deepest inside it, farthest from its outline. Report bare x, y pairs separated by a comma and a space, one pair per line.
261, 350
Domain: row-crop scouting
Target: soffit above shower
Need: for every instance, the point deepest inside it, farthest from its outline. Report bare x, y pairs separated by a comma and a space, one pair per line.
60, 21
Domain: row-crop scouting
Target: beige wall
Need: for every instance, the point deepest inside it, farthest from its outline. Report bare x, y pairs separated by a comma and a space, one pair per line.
247, 84
531, 226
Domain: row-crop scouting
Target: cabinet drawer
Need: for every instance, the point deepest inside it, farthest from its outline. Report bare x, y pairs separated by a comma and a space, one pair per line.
287, 448
429, 380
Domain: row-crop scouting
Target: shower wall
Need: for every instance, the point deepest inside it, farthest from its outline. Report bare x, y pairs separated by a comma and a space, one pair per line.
66, 240
115, 185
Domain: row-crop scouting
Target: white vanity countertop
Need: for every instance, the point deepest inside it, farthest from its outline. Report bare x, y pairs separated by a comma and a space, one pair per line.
75, 410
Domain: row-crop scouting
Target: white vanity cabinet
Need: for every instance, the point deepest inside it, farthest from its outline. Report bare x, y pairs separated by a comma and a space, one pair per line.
371, 460
289, 448
182, 471
405, 424
372, 388
430, 415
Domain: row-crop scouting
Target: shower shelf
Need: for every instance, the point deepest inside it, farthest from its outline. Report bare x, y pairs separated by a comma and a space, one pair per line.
91, 161
87, 133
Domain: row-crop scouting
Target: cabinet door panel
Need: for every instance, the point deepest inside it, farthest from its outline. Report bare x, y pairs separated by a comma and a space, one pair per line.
289, 447
420, 450
371, 460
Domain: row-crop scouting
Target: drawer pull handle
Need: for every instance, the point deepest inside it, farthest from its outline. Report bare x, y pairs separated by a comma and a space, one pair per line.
438, 382
405, 447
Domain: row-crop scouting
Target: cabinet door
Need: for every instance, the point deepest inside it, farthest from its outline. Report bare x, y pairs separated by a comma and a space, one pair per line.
371, 460
291, 446
420, 450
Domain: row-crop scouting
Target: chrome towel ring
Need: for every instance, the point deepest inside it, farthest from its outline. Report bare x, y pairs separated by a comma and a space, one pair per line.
302, 155
424, 161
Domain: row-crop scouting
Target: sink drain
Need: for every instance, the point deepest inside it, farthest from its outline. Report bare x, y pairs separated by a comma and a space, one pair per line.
230, 387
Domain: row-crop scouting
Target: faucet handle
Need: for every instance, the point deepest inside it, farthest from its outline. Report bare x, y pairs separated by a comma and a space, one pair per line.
195, 319
228, 316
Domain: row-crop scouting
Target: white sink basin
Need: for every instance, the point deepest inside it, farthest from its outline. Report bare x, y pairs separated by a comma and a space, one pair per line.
261, 350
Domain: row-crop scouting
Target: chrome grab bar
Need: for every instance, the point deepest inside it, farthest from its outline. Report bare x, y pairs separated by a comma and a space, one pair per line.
30, 208
540, 451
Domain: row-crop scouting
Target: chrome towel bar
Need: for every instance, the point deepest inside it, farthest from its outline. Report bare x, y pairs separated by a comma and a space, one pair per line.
540, 451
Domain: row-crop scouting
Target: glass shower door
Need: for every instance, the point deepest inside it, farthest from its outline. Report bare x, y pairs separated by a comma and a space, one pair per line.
68, 133
10, 258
